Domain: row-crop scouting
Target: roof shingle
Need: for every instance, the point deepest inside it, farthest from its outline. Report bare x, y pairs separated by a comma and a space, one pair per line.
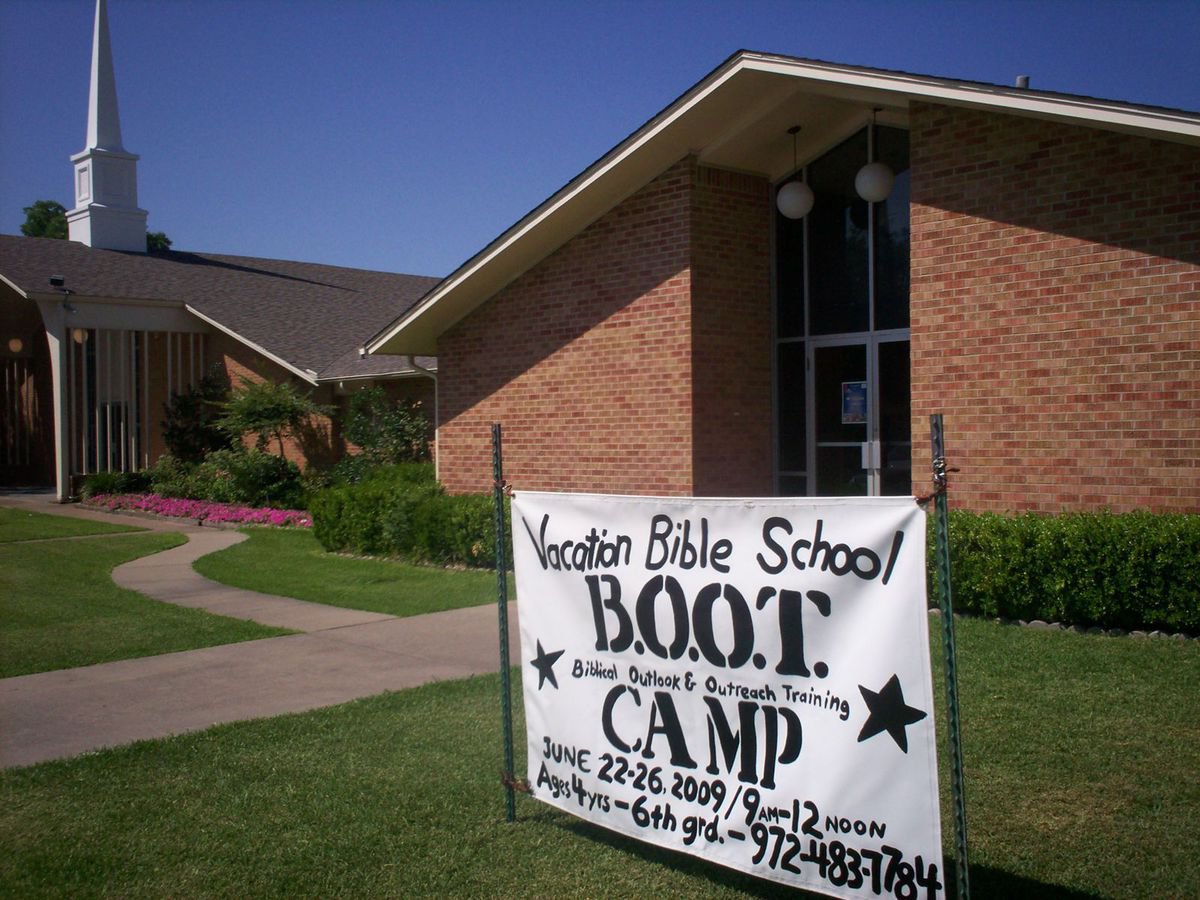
314, 316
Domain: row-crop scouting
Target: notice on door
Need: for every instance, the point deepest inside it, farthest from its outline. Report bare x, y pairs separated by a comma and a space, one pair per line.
743, 680
854, 402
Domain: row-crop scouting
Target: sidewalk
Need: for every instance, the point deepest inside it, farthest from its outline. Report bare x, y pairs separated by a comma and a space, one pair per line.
342, 655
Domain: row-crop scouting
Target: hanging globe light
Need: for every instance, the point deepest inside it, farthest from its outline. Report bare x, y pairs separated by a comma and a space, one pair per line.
795, 199
874, 180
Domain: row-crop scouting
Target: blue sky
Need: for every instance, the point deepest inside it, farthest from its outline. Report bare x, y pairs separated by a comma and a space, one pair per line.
403, 136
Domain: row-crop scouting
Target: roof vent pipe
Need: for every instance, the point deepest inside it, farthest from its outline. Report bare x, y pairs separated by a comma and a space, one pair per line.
1022, 81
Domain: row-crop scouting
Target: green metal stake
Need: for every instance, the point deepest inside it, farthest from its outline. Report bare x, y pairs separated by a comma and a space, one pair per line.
942, 538
502, 604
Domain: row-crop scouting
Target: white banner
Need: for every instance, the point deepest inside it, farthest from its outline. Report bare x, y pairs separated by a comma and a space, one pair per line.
743, 680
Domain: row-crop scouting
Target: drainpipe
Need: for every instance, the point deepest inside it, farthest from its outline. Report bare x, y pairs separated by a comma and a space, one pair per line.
437, 457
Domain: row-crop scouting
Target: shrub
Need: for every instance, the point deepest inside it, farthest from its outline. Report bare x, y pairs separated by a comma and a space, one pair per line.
401, 511
172, 477
1133, 570
386, 432
249, 477
114, 483
267, 410
352, 469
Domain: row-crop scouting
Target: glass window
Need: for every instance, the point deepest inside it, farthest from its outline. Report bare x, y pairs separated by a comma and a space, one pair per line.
789, 277
790, 390
837, 235
892, 233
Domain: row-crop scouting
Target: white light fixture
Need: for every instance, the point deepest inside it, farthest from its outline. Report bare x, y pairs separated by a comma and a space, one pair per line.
874, 180
795, 199
15, 345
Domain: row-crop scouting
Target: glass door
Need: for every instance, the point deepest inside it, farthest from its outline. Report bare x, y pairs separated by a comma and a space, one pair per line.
840, 426
861, 441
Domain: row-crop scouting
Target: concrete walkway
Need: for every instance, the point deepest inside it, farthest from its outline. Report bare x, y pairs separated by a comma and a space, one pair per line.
342, 655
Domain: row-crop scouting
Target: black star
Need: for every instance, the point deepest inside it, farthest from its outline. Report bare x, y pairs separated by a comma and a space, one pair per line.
889, 713
544, 663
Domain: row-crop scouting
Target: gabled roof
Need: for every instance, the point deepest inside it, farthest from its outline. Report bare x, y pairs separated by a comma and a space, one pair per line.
310, 318
737, 118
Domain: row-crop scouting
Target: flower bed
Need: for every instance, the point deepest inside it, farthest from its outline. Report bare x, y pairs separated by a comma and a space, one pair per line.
201, 510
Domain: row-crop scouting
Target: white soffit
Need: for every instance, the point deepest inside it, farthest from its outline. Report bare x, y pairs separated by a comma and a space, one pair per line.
737, 118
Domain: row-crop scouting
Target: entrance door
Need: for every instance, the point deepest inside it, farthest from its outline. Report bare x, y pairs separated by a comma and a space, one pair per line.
861, 443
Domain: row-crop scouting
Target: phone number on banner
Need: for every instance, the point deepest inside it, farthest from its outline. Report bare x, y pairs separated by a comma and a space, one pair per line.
785, 839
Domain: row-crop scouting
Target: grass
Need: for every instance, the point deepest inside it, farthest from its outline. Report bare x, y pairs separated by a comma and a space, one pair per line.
59, 607
1082, 759
23, 525
290, 563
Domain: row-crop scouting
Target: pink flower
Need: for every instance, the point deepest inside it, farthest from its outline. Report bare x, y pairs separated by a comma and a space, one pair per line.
202, 510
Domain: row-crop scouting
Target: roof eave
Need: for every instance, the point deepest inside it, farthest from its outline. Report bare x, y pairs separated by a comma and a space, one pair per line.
653, 147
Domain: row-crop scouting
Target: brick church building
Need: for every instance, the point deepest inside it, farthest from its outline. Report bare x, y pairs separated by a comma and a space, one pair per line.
726, 304
97, 334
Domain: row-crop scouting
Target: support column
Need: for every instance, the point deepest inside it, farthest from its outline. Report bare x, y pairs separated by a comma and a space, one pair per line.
54, 317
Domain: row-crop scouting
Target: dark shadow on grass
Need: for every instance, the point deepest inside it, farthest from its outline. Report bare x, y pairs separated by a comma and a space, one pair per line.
986, 882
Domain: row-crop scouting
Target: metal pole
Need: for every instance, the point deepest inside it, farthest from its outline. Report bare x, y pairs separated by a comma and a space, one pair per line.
502, 606
942, 550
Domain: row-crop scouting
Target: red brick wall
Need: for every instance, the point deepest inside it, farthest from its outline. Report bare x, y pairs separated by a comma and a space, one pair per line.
731, 334
1056, 312
585, 361
635, 359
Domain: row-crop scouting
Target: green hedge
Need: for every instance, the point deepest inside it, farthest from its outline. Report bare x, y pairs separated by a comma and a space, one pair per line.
1132, 570
249, 477
402, 511
114, 483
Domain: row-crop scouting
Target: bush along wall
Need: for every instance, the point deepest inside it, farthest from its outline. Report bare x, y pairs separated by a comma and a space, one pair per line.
402, 511
243, 476
1130, 571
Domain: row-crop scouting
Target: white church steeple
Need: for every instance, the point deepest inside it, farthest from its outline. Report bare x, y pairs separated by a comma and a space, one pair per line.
106, 214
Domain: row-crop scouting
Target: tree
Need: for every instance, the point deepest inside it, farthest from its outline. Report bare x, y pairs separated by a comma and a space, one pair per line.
46, 218
267, 410
387, 431
157, 241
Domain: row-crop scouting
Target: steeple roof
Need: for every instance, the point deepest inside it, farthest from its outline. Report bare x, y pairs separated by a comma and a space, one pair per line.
106, 212
104, 119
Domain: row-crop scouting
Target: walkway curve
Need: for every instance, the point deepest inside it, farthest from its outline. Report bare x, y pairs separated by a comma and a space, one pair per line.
343, 655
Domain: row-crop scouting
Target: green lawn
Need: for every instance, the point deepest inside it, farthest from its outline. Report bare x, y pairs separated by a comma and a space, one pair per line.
1082, 760
291, 563
59, 607
23, 525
